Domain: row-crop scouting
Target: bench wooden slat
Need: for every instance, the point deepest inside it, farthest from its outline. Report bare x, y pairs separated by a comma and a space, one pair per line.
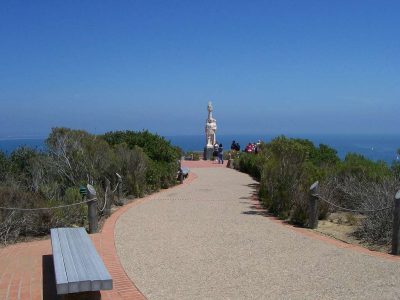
78, 257
59, 269
185, 170
85, 256
69, 264
102, 279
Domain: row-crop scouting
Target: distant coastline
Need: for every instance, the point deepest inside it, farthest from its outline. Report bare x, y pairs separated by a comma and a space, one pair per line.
375, 147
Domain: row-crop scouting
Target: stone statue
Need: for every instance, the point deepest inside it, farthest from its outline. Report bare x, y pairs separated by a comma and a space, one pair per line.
211, 129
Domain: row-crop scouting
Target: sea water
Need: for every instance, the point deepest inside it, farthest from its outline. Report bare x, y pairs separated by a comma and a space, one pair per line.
375, 147
9, 145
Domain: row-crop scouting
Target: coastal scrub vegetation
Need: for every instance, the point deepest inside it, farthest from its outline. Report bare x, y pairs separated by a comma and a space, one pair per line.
191, 155
287, 167
31, 179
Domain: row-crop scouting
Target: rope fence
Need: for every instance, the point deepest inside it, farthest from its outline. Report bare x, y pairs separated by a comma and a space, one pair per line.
116, 187
47, 208
105, 200
353, 210
63, 206
313, 214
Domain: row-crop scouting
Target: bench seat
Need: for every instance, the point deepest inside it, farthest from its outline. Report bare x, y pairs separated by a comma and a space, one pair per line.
185, 171
77, 265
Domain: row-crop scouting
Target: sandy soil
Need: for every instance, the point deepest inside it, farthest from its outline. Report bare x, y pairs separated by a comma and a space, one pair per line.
341, 225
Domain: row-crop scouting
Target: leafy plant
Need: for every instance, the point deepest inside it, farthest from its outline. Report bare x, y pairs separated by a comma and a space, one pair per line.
32, 179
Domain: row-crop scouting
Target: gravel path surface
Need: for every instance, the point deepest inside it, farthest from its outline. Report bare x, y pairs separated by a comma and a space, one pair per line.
204, 240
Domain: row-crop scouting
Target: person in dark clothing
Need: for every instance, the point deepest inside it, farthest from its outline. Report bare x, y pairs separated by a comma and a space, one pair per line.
233, 146
220, 154
237, 148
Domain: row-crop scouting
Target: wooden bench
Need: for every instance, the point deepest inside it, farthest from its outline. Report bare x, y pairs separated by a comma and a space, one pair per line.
77, 265
185, 171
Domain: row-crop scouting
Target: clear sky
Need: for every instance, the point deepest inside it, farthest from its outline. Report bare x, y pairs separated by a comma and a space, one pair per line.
267, 66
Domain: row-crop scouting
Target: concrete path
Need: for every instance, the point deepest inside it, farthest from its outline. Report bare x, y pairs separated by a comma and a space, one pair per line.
208, 240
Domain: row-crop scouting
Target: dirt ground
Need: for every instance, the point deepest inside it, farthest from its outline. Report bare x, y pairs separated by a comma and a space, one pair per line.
341, 225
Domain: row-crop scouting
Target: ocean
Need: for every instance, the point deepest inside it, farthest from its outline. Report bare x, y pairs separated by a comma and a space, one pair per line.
9, 145
375, 147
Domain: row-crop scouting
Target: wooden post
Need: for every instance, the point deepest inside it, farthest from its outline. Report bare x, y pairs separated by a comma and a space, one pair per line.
108, 198
396, 225
119, 192
180, 176
92, 209
313, 206
230, 161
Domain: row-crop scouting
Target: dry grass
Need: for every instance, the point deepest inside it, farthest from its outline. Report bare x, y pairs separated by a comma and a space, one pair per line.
341, 226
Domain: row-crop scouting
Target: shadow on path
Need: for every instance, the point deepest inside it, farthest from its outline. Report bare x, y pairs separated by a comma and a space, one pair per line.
49, 282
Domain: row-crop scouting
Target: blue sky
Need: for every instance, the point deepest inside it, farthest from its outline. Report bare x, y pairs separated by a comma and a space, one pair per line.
268, 66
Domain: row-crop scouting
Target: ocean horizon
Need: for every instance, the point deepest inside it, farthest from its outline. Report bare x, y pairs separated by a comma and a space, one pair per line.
375, 147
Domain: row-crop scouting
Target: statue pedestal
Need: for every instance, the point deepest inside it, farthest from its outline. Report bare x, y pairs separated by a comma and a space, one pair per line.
208, 152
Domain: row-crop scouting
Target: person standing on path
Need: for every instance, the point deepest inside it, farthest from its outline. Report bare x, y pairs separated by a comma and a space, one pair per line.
220, 154
215, 152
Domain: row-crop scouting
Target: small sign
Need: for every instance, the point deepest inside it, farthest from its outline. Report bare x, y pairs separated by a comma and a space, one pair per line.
82, 190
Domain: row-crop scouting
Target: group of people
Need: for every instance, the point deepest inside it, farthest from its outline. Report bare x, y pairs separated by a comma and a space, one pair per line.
235, 146
253, 147
218, 153
250, 148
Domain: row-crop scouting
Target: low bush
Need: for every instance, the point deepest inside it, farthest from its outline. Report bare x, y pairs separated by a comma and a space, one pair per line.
32, 179
250, 164
369, 197
192, 155
287, 167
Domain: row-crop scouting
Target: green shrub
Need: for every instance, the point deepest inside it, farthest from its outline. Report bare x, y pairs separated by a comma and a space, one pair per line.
4, 166
155, 146
286, 168
251, 164
31, 179
192, 155
162, 157
362, 168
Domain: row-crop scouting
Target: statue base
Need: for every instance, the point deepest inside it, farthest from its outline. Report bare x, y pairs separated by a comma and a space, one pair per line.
208, 152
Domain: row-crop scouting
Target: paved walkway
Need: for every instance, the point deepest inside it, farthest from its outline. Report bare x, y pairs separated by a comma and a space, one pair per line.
209, 240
